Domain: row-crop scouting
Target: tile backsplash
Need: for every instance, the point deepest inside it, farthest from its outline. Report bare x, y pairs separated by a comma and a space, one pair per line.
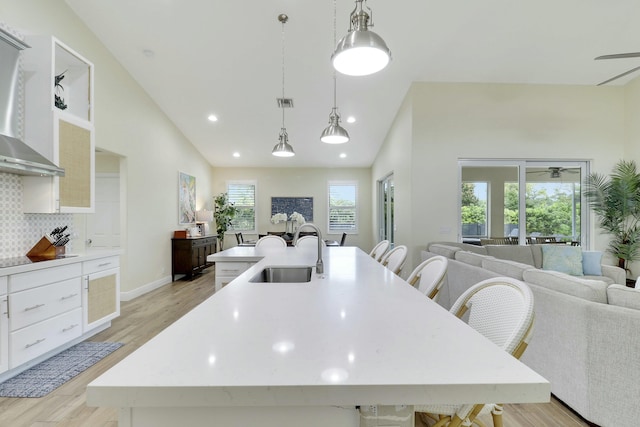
20, 231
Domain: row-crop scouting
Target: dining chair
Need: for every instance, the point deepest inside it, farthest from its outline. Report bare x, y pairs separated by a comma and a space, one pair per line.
501, 309
379, 250
428, 277
239, 238
271, 241
309, 241
394, 259
343, 239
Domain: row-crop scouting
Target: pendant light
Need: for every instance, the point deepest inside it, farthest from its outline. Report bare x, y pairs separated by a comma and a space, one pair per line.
283, 148
334, 133
361, 52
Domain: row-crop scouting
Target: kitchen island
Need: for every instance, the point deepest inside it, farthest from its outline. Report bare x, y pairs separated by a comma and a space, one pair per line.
306, 354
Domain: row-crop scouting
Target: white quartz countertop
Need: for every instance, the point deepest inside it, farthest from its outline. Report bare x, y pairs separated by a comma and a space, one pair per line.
357, 334
63, 260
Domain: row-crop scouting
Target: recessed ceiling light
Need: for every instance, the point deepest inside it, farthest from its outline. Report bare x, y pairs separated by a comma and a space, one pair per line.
236, 154
213, 118
351, 119
343, 155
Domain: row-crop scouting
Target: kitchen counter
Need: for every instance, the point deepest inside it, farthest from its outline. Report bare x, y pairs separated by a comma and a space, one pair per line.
275, 354
62, 260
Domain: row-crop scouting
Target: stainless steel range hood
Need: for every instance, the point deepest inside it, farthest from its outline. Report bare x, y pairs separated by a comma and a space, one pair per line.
18, 158
15, 155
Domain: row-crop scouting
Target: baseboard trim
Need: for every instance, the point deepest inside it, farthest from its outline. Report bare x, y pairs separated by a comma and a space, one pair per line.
129, 295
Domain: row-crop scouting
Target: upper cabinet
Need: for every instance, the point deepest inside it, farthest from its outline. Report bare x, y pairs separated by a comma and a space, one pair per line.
59, 125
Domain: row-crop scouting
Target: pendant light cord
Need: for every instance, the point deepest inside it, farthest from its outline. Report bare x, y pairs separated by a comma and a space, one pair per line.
335, 102
284, 21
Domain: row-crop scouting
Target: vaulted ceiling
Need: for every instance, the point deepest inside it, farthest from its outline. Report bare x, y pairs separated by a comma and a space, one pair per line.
202, 57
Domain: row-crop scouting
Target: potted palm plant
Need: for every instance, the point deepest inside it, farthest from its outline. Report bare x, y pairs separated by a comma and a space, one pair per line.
615, 200
223, 213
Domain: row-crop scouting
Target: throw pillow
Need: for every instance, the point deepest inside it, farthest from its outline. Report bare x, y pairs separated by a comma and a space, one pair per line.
562, 258
591, 263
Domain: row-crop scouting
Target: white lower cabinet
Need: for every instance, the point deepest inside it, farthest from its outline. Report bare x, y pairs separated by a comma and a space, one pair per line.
32, 341
226, 271
4, 326
45, 309
101, 291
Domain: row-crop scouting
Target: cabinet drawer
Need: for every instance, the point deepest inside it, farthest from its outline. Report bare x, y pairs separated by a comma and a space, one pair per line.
33, 279
34, 305
3, 285
203, 242
42, 337
231, 269
100, 264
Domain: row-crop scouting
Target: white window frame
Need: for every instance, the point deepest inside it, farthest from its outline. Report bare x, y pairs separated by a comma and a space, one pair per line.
255, 204
329, 206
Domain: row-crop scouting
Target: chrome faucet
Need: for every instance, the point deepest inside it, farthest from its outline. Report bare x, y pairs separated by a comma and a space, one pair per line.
319, 263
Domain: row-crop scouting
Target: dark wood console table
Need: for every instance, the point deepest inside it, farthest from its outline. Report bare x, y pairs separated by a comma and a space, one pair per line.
189, 255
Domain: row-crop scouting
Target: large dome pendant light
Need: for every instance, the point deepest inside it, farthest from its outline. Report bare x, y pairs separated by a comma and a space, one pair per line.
334, 133
361, 52
283, 148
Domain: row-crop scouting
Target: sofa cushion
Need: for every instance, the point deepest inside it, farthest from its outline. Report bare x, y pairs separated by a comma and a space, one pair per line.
471, 258
444, 250
464, 246
562, 258
515, 253
591, 261
505, 267
591, 290
624, 296
536, 251
605, 279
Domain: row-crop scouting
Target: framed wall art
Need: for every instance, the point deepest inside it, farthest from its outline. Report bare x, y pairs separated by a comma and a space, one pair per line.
289, 205
186, 198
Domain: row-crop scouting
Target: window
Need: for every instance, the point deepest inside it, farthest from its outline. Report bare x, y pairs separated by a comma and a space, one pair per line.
474, 209
243, 195
524, 200
343, 209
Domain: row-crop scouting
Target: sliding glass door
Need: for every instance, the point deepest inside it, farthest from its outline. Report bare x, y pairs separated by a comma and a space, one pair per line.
522, 201
385, 209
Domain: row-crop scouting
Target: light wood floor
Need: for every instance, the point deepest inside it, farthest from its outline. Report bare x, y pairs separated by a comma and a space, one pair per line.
143, 318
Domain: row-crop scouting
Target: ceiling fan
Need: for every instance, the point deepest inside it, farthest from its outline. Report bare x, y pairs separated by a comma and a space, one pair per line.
619, 56
554, 171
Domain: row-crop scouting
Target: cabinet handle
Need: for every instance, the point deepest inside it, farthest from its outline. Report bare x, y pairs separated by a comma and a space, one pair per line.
104, 264
34, 343
70, 327
68, 296
33, 307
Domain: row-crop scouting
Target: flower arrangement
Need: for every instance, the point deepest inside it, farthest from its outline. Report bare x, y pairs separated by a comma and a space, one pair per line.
278, 218
297, 217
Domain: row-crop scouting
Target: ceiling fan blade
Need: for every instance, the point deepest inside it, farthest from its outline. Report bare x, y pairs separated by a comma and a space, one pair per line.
619, 56
619, 75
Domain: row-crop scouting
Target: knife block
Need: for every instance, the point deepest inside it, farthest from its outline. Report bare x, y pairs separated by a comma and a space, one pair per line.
45, 249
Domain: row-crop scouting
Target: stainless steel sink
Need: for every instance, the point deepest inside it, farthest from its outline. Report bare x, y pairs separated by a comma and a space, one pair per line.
283, 275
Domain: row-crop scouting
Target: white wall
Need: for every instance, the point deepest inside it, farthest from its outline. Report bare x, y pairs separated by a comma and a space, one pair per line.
453, 121
298, 182
395, 156
130, 124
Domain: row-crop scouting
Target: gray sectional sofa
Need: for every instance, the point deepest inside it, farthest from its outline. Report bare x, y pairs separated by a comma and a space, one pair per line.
587, 332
